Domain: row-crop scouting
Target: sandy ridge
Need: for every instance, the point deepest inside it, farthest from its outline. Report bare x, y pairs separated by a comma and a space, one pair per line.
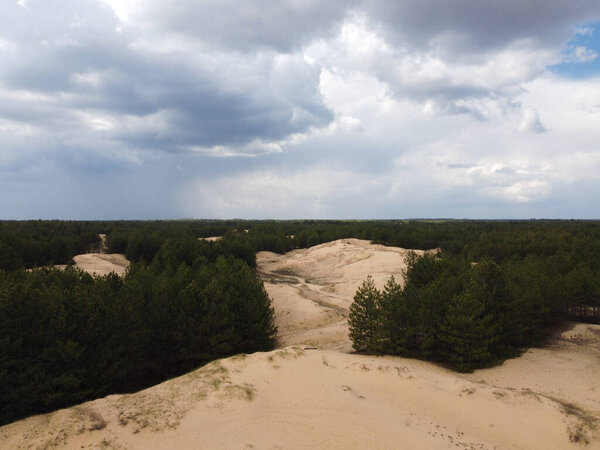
297, 398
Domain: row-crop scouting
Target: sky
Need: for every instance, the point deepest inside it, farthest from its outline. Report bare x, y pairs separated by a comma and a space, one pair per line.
354, 109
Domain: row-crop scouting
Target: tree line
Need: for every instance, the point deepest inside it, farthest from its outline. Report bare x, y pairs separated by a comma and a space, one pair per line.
29, 244
37, 243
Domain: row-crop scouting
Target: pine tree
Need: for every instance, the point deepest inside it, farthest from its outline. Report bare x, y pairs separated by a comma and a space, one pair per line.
363, 318
389, 316
488, 285
399, 316
467, 333
9, 259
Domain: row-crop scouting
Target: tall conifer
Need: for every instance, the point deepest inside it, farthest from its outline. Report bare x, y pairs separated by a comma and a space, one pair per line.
467, 333
363, 318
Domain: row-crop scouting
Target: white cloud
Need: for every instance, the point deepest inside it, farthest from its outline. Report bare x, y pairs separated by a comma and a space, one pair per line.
483, 85
531, 122
251, 149
570, 108
349, 124
125, 9
584, 31
7, 46
524, 191
580, 54
92, 79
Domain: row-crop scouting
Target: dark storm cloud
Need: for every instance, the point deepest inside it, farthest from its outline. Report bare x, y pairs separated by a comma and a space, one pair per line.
249, 25
456, 25
467, 27
75, 55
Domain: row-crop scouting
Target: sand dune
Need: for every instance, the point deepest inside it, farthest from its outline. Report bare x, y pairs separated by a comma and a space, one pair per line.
302, 397
296, 398
313, 288
102, 263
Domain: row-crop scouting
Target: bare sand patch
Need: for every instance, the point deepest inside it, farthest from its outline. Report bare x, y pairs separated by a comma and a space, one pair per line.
297, 398
102, 263
211, 238
566, 371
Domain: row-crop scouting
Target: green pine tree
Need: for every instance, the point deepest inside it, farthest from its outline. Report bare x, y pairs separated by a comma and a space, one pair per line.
400, 320
467, 333
363, 318
388, 314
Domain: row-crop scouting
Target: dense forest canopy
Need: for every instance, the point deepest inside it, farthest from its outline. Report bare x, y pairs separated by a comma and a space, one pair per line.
492, 288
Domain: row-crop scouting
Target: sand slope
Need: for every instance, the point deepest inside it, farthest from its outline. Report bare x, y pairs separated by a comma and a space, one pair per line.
296, 398
567, 370
313, 288
102, 263
302, 397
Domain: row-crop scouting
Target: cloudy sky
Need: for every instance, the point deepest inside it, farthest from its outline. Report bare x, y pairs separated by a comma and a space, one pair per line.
124, 109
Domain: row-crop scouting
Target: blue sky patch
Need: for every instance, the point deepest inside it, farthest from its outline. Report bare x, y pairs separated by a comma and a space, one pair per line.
581, 55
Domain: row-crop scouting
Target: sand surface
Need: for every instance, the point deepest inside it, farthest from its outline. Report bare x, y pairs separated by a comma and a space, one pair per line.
302, 397
102, 263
